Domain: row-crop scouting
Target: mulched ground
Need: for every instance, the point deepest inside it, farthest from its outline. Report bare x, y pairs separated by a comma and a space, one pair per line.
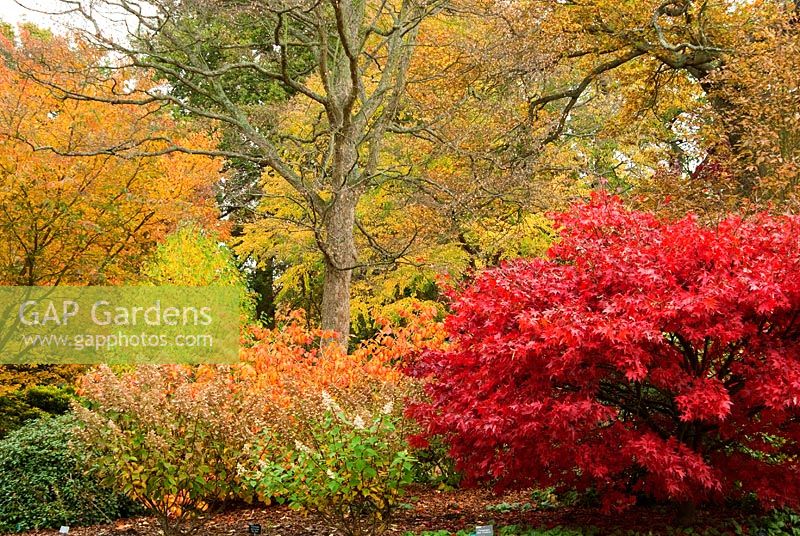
432, 510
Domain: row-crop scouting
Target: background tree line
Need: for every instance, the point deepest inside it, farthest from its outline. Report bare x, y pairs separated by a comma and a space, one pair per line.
351, 153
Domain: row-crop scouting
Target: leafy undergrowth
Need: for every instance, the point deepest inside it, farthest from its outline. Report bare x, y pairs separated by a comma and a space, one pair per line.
448, 513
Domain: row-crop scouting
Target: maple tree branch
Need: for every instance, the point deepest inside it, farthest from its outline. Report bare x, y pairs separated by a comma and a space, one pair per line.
688, 351
620, 395
734, 351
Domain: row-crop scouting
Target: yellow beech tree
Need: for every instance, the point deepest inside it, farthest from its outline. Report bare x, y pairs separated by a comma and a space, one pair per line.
456, 194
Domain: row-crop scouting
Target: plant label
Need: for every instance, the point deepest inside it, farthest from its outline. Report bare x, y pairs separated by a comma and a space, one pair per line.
484, 530
254, 528
63, 530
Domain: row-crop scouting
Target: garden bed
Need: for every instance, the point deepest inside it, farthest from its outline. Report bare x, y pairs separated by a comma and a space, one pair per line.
433, 511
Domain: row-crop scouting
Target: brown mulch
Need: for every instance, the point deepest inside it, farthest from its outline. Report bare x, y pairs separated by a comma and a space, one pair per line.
432, 510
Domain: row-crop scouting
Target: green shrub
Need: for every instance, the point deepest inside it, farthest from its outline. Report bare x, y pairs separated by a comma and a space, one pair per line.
505, 507
344, 461
776, 523
44, 480
434, 466
20, 406
192, 256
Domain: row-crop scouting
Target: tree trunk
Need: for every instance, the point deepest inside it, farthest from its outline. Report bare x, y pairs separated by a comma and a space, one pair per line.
263, 279
686, 515
718, 96
340, 258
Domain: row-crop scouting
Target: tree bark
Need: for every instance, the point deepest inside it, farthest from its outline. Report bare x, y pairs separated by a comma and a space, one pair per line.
734, 133
340, 258
263, 280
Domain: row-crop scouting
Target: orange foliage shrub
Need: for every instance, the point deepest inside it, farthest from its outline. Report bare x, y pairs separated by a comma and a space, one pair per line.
294, 355
181, 439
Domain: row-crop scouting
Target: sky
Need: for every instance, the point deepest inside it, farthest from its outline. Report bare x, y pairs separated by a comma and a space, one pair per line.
11, 11
15, 12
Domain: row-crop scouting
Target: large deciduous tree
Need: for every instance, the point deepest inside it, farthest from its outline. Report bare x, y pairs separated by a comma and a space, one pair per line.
215, 49
644, 357
460, 194
699, 81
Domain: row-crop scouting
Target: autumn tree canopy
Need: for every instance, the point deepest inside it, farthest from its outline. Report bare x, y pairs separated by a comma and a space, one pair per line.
457, 135
85, 219
696, 84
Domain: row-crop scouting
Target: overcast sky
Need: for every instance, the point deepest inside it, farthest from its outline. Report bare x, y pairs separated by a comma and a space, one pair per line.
111, 21
14, 13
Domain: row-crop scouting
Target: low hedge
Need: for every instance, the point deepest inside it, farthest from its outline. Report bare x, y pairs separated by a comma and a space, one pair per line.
45, 481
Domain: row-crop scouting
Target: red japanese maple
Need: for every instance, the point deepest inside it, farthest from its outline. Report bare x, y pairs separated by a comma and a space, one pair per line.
644, 357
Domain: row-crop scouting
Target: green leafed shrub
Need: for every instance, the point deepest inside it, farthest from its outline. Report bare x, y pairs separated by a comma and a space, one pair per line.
434, 467
195, 257
20, 406
342, 458
776, 523
45, 480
